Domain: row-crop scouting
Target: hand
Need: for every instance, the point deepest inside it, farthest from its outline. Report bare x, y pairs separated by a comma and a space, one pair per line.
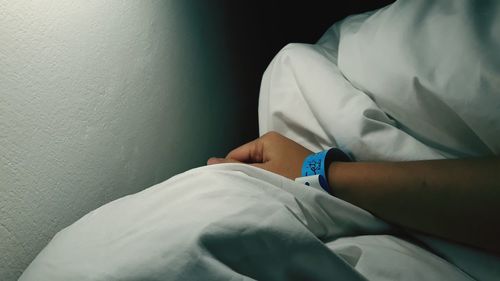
272, 152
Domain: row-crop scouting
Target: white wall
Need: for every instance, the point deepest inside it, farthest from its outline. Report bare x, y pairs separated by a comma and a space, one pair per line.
99, 99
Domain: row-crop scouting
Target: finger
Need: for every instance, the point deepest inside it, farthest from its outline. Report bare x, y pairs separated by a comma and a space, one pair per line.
260, 165
214, 160
251, 152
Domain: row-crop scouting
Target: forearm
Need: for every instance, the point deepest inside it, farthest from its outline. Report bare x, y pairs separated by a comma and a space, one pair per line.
453, 199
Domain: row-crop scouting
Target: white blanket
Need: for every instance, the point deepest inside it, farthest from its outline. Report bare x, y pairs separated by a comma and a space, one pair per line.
415, 80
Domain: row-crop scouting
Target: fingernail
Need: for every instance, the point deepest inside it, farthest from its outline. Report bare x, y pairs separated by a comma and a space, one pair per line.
213, 160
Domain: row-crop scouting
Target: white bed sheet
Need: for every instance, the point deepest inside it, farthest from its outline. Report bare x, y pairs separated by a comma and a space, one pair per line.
232, 222
386, 85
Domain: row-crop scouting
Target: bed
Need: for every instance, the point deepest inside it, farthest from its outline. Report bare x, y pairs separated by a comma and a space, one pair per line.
413, 80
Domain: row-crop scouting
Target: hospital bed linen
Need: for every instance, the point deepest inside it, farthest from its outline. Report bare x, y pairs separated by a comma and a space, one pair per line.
414, 80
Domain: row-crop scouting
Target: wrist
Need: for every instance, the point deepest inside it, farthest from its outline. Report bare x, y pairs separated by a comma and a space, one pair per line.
336, 178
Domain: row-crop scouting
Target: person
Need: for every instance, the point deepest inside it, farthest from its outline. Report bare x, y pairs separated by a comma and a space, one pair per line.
455, 199
424, 124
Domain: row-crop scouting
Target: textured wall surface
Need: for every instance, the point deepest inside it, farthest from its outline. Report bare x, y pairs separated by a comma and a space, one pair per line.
99, 99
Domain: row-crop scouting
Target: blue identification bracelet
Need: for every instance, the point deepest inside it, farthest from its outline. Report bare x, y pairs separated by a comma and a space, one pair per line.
315, 167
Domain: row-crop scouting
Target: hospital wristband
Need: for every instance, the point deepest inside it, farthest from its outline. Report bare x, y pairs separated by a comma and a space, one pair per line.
315, 167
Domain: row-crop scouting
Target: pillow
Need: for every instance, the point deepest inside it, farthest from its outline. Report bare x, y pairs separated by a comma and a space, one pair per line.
432, 66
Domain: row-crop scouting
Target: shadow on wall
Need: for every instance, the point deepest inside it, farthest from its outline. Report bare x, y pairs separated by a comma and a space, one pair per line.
98, 100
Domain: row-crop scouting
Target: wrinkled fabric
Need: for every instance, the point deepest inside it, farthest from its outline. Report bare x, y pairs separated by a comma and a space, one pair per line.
221, 222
